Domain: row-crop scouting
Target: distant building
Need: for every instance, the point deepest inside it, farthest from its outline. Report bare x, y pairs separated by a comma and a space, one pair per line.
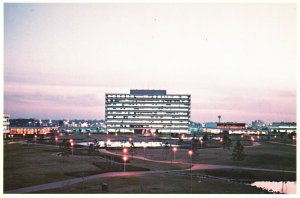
258, 124
231, 126
30, 130
5, 125
195, 127
147, 110
283, 127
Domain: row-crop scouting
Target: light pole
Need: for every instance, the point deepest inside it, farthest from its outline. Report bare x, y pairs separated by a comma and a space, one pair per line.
124, 159
294, 139
72, 144
174, 151
90, 138
125, 151
56, 139
201, 142
35, 136
190, 154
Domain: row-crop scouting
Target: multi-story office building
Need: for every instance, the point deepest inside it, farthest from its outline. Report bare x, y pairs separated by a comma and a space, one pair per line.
153, 110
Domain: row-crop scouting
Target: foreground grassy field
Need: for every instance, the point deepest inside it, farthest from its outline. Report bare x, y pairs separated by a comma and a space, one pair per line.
33, 164
158, 184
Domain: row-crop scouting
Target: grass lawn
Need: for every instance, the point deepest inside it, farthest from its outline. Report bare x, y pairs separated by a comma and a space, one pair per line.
27, 165
158, 184
249, 175
267, 155
38, 164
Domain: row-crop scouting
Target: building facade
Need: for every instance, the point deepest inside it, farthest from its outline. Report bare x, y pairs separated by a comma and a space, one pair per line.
5, 125
30, 130
283, 127
147, 110
231, 126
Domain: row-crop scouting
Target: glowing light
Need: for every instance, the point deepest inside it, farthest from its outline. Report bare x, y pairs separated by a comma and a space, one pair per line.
174, 149
190, 152
125, 158
125, 150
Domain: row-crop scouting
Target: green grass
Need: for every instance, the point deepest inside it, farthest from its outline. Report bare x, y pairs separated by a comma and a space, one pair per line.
27, 165
251, 175
158, 184
271, 156
36, 164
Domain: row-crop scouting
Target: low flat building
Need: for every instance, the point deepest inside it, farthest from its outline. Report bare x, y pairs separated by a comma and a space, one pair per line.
231, 126
283, 127
30, 130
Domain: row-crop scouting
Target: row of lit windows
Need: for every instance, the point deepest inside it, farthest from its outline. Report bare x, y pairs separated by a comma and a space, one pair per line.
147, 121
141, 100
147, 105
148, 117
145, 96
146, 113
148, 109
160, 130
150, 126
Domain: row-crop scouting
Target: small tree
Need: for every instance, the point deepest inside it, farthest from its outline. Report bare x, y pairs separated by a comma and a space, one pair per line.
238, 151
132, 150
205, 137
195, 145
226, 141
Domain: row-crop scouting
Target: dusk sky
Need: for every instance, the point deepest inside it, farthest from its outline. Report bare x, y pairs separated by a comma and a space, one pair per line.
236, 60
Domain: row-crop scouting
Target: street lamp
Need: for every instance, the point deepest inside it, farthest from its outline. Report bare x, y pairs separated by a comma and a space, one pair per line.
294, 139
174, 151
56, 139
125, 159
201, 142
130, 139
89, 137
72, 144
190, 154
125, 151
23, 135
35, 136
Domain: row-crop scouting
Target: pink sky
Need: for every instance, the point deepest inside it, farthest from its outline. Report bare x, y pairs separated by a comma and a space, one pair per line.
236, 60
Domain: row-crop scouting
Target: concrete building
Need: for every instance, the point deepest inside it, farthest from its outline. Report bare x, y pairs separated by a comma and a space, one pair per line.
147, 110
5, 125
283, 127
